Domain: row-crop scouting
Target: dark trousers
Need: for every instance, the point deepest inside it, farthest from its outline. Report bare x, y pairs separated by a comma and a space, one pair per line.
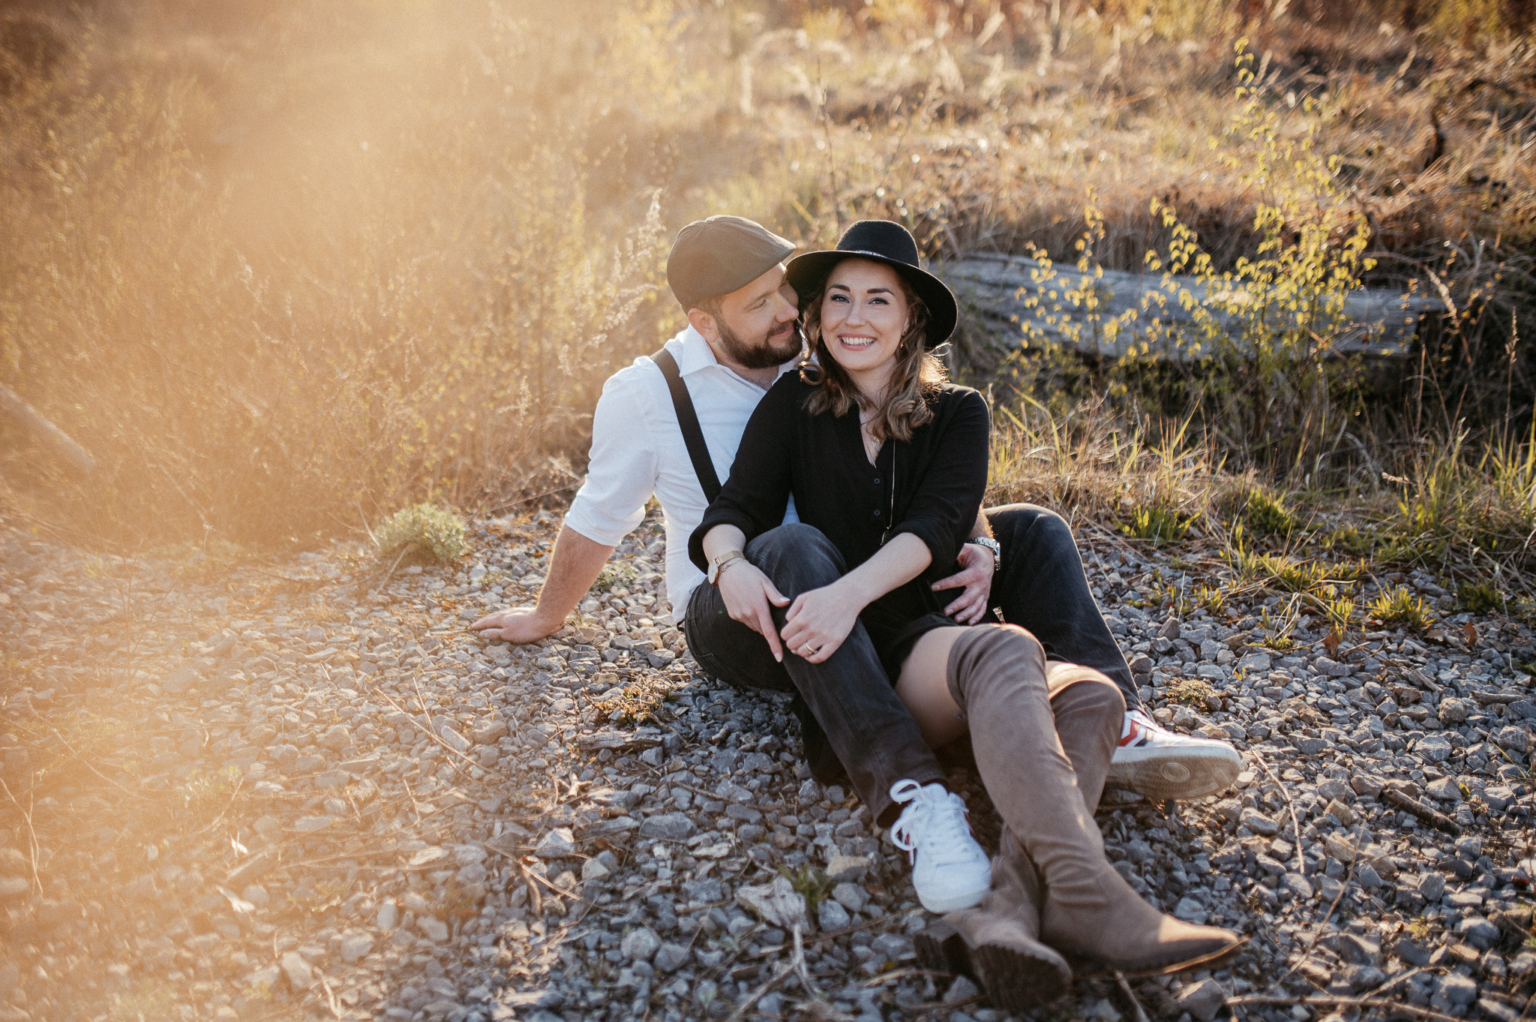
849, 696
848, 707
1041, 588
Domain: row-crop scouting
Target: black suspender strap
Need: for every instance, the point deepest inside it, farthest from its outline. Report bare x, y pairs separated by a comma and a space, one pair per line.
688, 421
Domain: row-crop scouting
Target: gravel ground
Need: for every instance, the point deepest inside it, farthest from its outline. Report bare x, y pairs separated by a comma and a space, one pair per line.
299, 789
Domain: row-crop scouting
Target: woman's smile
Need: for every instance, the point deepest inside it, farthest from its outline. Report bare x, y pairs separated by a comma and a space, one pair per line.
863, 315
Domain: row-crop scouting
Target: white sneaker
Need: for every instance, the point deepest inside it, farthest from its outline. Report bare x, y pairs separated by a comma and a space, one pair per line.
1158, 763
949, 869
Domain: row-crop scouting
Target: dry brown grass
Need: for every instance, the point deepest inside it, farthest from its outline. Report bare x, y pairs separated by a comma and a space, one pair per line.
284, 268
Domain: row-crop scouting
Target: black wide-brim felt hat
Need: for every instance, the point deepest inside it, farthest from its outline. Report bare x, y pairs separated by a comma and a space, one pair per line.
881, 241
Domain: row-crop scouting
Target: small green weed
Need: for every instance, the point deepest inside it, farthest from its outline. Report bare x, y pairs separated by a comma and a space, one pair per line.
1401, 607
1211, 599
1340, 609
1190, 691
809, 882
1267, 515
425, 529
1480, 597
614, 576
1281, 572
1350, 540
1158, 523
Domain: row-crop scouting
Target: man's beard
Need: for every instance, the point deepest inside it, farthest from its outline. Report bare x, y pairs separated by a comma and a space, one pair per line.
768, 356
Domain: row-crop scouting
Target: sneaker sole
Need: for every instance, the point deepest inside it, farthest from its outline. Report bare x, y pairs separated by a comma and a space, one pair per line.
1016, 981
955, 902
1175, 774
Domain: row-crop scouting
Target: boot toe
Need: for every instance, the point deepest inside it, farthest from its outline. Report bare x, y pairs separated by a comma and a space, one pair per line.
1182, 945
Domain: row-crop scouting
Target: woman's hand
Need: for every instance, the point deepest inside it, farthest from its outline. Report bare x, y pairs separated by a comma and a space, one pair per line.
746, 593
820, 620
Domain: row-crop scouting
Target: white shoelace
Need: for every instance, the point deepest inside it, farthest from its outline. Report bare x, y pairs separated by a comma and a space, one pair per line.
935, 818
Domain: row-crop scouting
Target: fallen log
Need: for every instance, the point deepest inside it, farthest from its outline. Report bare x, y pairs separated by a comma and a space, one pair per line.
52, 436
1011, 296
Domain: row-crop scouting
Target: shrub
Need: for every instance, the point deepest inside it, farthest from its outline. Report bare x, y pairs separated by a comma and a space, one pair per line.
424, 529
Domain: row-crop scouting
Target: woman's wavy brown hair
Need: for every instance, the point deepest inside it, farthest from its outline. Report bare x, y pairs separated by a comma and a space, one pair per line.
917, 375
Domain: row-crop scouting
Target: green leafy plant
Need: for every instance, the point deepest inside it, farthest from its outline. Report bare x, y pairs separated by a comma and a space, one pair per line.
1158, 523
1190, 691
426, 530
1401, 607
614, 576
1267, 515
1480, 597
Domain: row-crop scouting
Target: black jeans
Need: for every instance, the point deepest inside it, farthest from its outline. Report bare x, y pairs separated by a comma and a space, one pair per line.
849, 696
1041, 588
847, 707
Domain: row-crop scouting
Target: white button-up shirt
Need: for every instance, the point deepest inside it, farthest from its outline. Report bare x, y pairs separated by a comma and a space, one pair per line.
638, 451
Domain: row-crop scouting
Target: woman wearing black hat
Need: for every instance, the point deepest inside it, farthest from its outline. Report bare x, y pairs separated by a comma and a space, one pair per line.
895, 489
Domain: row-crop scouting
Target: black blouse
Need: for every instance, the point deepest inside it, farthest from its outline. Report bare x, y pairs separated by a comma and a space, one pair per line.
931, 486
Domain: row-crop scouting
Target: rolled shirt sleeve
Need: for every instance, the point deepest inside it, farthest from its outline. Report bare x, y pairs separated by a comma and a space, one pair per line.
943, 509
621, 473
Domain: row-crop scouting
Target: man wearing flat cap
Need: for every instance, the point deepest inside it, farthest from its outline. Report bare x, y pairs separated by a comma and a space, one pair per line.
668, 426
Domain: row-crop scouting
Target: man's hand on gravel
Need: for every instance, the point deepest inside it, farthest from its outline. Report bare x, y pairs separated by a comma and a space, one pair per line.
747, 593
975, 575
517, 624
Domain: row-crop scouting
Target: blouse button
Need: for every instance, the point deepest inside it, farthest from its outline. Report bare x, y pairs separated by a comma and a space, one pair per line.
877, 480
877, 514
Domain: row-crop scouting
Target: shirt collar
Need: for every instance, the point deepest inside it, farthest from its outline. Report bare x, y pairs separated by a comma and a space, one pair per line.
694, 354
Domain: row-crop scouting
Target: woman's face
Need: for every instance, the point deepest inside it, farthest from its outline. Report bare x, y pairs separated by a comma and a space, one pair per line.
863, 315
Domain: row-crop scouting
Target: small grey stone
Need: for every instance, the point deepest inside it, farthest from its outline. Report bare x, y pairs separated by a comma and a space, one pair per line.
454, 740
671, 957
896, 948
355, 946
850, 896
852, 868
1258, 823
1203, 1000
559, 843
389, 915
1432, 887
179, 680
1435, 748
433, 929
1353, 949
336, 737
1361, 978
830, 915
1458, 990
1443, 789
962, 989
298, 972
668, 827
1453, 710
640, 944
1298, 885
490, 732
1368, 877
1478, 932
1412, 952
1523, 964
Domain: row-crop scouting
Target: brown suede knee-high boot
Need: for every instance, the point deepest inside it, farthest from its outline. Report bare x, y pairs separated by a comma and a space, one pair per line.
998, 942
997, 674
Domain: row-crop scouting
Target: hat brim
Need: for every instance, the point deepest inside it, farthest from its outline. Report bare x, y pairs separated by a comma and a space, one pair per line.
807, 274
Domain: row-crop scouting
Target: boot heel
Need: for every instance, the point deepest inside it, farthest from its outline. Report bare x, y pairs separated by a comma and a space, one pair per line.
940, 948
1016, 981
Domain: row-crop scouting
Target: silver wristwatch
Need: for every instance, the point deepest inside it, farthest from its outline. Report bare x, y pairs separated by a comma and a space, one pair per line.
992, 545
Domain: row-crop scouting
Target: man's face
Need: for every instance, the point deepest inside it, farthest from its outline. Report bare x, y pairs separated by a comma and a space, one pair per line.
756, 326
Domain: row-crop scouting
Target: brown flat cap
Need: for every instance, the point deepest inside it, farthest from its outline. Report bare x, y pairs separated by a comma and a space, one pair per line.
716, 256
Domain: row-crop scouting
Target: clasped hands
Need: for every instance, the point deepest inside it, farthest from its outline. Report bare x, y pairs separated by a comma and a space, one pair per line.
819, 620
